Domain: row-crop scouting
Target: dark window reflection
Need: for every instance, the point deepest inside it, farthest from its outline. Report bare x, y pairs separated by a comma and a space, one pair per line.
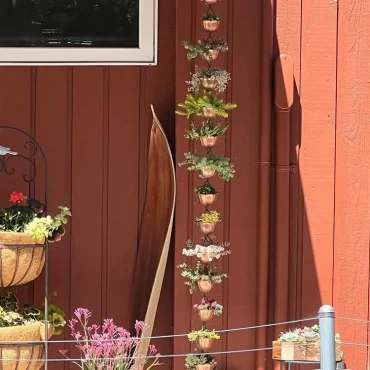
69, 23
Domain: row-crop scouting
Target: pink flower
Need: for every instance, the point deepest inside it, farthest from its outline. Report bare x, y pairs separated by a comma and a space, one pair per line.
63, 352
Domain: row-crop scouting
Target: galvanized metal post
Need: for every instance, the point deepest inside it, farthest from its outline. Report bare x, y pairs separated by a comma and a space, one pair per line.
327, 337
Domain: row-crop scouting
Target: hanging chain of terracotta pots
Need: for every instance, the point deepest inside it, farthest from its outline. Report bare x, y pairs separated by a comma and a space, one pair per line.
204, 108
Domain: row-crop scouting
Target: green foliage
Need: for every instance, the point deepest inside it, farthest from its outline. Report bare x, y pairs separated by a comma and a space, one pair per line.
209, 217
15, 218
194, 105
199, 273
12, 315
221, 164
208, 128
207, 188
221, 76
203, 47
191, 361
202, 334
211, 17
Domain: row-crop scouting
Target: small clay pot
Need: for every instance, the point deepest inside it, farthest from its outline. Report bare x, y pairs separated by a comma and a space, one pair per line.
206, 366
210, 1
209, 112
211, 55
204, 258
205, 315
208, 141
209, 83
208, 172
204, 343
205, 286
211, 26
207, 199
207, 227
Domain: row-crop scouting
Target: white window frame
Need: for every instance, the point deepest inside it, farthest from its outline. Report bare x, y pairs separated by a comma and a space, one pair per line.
145, 54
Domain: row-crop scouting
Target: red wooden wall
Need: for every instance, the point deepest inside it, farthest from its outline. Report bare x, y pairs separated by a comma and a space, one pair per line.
94, 124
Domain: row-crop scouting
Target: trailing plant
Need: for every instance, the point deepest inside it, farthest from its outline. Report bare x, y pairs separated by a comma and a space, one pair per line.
203, 47
26, 216
12, 315
211, 17
207, 129
211, 217
108, 346
211, 251
203, 334
210, 305
195, 162
198, 273
194, 105
191, 361
205, 189
221, 76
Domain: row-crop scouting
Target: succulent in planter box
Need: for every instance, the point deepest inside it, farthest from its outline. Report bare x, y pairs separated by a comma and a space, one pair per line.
203, 337
211, 21
201, 278
206, 253
206, 105
209, 164
200, 362
23, 230
211, 78
207, 308
208, 50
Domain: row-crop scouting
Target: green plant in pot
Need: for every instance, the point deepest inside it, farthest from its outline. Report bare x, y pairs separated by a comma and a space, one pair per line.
207, 308
206, 193
206, 105
208, 50
211, 21
207, 133
211, 78
203, 337
200, 362
201, 277
209, 164
208, 221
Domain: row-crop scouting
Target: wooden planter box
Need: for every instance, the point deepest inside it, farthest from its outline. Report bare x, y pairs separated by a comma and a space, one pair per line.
287, 351
21, 259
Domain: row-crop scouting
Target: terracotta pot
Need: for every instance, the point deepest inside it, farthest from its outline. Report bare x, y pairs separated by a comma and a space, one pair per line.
204, 258
205, 343
208, 172
209, 83
206, 366
31, 354
208, 141
211, 26
209, 112
207, 199
205, 315
207, 227
211, 55
21, 259
205, 286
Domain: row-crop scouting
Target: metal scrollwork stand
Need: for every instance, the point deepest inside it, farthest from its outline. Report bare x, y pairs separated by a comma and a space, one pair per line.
31, 153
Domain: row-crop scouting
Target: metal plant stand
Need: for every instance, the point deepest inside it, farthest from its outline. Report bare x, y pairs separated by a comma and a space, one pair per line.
32, 155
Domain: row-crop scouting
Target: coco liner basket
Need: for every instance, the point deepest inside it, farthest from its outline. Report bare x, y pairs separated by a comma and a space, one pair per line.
21, 259
32, 355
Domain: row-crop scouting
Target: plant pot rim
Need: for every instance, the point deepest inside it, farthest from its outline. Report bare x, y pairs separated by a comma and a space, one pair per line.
10, 238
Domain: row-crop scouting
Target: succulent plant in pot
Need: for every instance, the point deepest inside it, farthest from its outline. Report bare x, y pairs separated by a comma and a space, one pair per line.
207, 133
208, 221
207, 308
206, 193
209, 164
211, 78
203, 337
201, 278
208, 50
207, 105
206, 253
200, 362
211, 22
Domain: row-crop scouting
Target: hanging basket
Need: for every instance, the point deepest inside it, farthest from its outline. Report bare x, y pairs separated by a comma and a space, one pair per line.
207, 172
205, 343
207, 199
205, 286
205, 315
31, 354
21, 259
206, 366
208, 141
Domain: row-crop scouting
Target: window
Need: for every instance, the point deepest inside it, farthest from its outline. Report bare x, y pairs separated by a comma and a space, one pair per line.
78, 32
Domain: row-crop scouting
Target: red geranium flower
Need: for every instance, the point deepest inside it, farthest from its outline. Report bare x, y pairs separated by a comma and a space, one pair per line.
16, 197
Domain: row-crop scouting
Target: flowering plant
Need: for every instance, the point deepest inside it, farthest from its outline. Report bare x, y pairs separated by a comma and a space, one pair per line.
209, 217
211, 251
209, 305
26, 216
108, 347
199, 273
